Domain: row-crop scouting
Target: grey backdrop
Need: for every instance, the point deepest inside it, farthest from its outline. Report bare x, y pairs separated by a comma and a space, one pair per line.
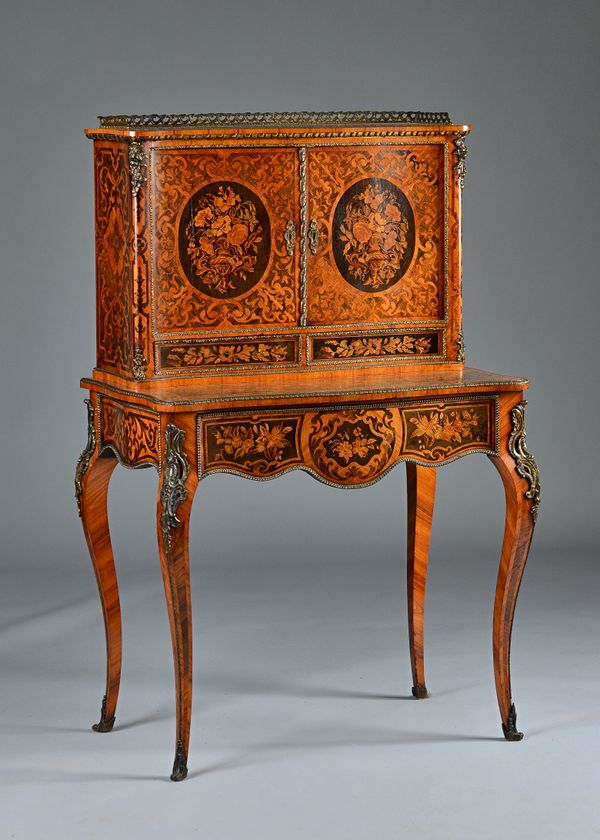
524, 73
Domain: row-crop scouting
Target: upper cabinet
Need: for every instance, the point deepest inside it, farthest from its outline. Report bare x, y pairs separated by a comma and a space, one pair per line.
229, 247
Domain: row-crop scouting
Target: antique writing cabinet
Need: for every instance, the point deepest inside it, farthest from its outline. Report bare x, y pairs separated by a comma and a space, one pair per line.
283, 291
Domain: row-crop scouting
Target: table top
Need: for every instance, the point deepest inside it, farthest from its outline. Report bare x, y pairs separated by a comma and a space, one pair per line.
303, 388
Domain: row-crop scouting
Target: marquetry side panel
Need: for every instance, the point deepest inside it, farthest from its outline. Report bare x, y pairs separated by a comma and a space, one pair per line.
133, 434
346, 446
114, 230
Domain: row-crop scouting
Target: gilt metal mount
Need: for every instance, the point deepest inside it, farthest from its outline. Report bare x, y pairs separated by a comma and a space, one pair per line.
85, 457
526, 465
137, 166
173, 492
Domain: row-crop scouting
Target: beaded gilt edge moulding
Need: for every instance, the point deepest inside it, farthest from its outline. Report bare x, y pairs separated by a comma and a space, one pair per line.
231, 243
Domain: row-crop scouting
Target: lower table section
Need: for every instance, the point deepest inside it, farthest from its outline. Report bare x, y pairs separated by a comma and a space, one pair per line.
347, 445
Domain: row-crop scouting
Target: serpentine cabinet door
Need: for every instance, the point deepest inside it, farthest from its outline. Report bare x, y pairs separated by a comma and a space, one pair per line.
376, 222
224, 234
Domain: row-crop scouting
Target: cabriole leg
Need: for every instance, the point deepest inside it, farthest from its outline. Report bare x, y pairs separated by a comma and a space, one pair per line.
520, 477
92, 478
177, 486
420, 489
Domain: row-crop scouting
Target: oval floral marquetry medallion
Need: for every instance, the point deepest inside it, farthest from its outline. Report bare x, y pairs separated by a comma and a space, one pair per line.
373, 235
224, 239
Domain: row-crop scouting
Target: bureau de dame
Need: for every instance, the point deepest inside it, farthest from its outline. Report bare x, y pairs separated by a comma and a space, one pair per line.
283, 291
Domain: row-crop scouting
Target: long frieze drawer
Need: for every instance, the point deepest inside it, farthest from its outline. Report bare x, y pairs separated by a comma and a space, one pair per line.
346, 445
226, 353
132, 433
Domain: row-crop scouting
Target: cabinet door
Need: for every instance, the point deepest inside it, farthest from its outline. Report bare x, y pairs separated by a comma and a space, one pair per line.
376, 235
224, 254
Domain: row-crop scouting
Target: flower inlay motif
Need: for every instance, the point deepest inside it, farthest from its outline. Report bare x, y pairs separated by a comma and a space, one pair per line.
353, 445
224, 239
373, 346
193, 355
373, 234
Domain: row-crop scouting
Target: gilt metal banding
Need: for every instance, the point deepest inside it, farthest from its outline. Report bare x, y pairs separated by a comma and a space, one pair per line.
290, 237
526, 465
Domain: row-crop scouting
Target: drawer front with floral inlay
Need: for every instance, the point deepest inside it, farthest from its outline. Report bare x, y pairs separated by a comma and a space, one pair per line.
226, 354
346, 445
376, 347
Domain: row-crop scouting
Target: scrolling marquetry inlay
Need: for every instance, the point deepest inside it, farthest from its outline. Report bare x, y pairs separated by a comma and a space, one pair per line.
113, 265
131, 433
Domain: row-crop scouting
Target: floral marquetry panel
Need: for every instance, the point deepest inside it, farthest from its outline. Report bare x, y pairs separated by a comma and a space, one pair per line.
220, 255
380, 217
133, 434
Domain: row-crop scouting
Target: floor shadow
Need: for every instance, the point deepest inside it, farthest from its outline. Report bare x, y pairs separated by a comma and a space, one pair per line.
231, 683
153, 717
328, 738
41, 614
